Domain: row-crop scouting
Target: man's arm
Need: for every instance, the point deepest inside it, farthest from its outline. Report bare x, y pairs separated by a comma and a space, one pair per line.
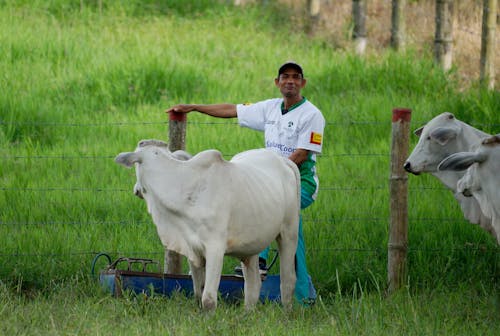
214, 110
299, 156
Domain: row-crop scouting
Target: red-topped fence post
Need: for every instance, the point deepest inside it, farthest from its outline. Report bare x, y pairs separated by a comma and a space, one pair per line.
398, 226
176, 141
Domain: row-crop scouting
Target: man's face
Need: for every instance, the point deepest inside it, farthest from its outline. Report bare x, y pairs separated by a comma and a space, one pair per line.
290, 82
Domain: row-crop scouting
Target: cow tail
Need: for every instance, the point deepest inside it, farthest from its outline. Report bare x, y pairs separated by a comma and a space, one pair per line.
296, 171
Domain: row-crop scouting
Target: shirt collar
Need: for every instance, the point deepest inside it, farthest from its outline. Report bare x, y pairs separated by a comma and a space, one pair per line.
285, 111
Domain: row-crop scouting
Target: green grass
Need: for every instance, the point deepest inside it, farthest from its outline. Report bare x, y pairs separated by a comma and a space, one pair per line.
82, 84
79, 308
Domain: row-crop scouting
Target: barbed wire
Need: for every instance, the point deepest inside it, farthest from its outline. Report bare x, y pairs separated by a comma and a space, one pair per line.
60, 156
108, 157
76, 223
223, 123
381, 250
101, 124
126, 223
50, 189
113, 190
305, 218
220, 123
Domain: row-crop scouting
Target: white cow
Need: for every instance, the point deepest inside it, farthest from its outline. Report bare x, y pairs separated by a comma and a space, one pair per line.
440, 137
207, 207
481, 179
180, 155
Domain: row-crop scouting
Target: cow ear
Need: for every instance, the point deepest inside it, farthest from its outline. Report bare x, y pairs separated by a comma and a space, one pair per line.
494, 140
127, 159
460, 161
443, 134
418, 131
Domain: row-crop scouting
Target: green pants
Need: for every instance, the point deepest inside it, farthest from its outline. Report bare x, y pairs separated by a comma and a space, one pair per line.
304, 288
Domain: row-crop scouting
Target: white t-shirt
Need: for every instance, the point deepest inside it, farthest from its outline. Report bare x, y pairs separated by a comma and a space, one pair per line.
301, 127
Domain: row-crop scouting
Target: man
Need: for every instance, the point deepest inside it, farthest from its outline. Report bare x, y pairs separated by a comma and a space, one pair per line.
294, 128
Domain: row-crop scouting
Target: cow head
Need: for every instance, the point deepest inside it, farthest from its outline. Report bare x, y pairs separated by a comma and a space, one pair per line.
438, 139
460, 162
144, 149
481, 166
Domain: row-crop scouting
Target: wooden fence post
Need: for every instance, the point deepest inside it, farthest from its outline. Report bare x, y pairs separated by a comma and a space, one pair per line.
398, 25
313, 15
443, 40
177, 140
359, 31
487, 71
398, 226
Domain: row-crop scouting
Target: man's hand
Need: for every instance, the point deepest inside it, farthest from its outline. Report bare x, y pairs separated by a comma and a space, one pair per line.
299, 156
214, 110
181, 108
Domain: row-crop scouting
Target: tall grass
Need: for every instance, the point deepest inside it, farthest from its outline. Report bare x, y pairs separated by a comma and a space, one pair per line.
82, 83
79, 308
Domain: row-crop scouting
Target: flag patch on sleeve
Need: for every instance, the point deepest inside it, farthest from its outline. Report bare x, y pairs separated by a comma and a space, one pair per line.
316, 138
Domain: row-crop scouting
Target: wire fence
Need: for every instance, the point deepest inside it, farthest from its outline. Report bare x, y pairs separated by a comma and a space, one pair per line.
469, 248
327, 188
335, 22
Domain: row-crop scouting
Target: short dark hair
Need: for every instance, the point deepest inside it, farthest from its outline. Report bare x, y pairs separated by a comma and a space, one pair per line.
290, 64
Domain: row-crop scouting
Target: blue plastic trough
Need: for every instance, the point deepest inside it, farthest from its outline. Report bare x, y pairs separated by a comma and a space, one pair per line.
116, 281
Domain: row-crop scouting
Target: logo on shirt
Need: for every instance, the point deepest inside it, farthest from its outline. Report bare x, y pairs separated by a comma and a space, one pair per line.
290, 123
316, 138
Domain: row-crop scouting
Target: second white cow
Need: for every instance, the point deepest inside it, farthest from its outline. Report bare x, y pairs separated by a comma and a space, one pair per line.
481, 179
440, 137
206, 207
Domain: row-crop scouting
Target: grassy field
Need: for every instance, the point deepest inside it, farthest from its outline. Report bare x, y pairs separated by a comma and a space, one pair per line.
82, 83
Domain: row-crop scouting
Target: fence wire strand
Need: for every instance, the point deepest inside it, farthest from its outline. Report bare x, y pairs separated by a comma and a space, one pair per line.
128, 222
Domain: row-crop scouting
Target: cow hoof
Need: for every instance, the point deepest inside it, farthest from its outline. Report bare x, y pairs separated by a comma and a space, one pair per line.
209, 304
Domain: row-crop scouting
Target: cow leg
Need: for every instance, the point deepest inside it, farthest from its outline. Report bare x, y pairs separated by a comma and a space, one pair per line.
496, 226
287, 247
198, 276
214, 260
252, 280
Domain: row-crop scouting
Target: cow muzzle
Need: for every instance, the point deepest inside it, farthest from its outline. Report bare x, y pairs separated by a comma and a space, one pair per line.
407, 167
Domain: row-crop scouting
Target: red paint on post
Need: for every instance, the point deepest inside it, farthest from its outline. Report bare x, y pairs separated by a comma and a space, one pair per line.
402, 113
177, 116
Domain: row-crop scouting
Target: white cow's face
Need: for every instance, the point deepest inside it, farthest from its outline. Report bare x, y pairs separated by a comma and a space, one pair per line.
148, 152
153, 153
486, 175
481, 179
438, 139
470, 186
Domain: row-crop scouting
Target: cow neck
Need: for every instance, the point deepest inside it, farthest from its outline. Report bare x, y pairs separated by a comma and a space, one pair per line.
473, 136
448, 178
